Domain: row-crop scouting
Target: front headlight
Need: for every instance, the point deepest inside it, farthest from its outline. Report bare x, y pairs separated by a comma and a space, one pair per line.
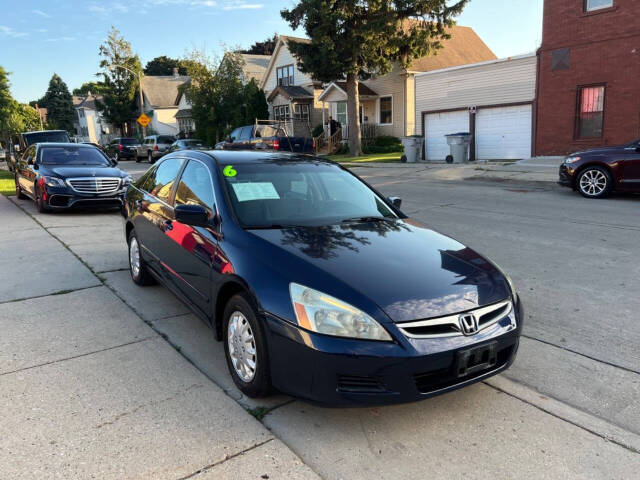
571, 160
127, 180
322, 313
54, 182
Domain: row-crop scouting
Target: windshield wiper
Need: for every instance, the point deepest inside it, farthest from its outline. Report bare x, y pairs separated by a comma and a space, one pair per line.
367, 219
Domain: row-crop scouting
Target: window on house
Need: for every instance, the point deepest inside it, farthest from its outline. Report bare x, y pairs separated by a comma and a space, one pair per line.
285, 75
301, 111
386, 110
341, 112
281, 112
591, 5
590, 115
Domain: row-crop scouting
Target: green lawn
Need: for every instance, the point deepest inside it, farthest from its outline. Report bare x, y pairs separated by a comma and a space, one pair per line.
371, 157
7, 185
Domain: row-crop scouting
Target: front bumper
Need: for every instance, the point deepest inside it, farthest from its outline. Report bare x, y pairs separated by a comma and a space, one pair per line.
565, 175
346, 372
65, 198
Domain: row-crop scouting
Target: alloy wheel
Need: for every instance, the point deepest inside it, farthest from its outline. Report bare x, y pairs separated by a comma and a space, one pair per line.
593, 182
242, 346
134, 257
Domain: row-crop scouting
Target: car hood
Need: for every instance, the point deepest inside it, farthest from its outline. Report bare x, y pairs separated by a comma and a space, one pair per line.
85, 171
599, 150
408, 270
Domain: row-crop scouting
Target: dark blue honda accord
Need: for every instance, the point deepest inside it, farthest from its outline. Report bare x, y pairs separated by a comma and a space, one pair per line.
318, 286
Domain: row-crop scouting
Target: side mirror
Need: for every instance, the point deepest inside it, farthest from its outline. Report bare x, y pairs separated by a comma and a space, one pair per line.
396, 202
228, 139
194, 215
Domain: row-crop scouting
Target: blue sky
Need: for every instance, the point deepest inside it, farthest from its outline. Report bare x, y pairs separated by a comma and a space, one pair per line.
40, 37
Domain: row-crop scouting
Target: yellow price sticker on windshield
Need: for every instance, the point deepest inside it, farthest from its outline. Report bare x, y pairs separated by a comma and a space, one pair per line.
229, 171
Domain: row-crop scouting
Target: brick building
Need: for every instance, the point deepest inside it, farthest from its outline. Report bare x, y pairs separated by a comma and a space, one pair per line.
588, 75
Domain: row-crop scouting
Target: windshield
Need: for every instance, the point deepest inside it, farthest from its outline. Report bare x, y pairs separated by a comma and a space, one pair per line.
128, 141
45, 137
73, 155
285, 193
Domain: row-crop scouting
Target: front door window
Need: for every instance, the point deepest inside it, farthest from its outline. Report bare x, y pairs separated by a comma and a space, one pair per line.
341, 112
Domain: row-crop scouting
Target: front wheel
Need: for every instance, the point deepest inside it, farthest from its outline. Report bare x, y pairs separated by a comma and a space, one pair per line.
137, 266
594, 182
245, 347
41, 205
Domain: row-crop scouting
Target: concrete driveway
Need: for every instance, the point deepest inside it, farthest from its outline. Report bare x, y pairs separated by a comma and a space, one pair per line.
567, 409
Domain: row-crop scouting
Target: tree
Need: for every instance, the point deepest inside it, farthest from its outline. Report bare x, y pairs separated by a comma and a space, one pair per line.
256, 103
117, 105
164, 65
216, 94
265, 47
59, 105
7, 103
95, 88
353, 39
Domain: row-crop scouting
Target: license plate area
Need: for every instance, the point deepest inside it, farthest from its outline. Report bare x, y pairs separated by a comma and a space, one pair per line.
476, 359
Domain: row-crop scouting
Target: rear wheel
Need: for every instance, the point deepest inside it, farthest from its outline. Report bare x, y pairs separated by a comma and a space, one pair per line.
137, 266
245, 347
19, 194
594, 182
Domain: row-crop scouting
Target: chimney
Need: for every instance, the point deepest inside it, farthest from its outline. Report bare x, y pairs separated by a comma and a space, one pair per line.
175, 71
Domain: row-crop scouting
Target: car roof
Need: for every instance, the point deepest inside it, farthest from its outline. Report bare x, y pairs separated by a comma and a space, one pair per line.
251, 156
63, 144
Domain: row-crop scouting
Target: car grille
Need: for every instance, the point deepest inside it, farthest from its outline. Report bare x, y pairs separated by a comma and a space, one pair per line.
95, 184
357, 384
449, 326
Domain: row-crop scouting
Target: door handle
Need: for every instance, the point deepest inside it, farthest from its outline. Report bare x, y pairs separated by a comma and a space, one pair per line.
167, 225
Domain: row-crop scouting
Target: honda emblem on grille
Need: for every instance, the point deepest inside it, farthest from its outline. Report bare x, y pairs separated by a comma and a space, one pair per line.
468, 323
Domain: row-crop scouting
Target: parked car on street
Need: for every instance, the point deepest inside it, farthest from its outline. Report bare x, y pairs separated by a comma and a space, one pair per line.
265, 137
58, 176
187, 144
43, 136
122, 148
597, 172
153, 147
317, 284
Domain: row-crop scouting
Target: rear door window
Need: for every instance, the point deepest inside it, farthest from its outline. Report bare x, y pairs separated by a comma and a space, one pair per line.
165, 139
161, 180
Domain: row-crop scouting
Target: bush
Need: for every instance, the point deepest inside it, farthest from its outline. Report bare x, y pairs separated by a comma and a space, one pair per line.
387, 141
317, 131
382, 149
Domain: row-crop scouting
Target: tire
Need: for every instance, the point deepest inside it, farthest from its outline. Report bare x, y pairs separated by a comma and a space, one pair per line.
40, 205
449, 159
138, 270
594, 182
19, 194
240, 315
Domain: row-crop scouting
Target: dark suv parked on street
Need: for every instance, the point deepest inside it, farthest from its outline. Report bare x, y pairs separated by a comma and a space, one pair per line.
122, 148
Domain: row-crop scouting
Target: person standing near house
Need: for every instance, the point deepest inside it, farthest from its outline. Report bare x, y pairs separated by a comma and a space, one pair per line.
334, 125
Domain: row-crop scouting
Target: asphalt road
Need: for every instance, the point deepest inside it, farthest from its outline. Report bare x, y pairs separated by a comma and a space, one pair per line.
576, 264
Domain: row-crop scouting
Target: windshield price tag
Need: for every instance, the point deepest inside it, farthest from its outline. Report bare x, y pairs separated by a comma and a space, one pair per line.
255, 191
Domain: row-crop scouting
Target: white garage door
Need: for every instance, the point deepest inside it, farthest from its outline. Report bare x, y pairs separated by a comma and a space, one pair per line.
503, 133
437, 125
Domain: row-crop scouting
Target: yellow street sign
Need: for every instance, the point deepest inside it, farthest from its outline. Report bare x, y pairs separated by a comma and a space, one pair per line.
144, 120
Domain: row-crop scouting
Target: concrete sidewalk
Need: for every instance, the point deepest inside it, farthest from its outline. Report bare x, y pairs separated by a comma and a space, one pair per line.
88, 389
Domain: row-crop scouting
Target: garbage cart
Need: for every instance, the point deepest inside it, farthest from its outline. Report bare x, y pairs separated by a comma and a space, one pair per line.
459, 147
412, 147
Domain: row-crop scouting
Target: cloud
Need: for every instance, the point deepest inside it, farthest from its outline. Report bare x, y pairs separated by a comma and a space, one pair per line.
240, 5
10, 32
41, 13
61, 39
97, 9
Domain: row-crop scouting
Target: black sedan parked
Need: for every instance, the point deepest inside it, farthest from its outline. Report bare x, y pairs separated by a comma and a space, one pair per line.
122, 148
317, 284
65, 175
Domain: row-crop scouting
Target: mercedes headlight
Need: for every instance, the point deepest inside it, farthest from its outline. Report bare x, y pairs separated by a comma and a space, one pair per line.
322, 313
54, 182
127, 180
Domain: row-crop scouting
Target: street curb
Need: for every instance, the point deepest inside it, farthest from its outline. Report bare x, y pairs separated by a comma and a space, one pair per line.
592, 424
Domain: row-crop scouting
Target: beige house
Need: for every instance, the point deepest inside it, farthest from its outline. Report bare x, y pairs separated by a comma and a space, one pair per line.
162, 101
254, 67
387, 102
